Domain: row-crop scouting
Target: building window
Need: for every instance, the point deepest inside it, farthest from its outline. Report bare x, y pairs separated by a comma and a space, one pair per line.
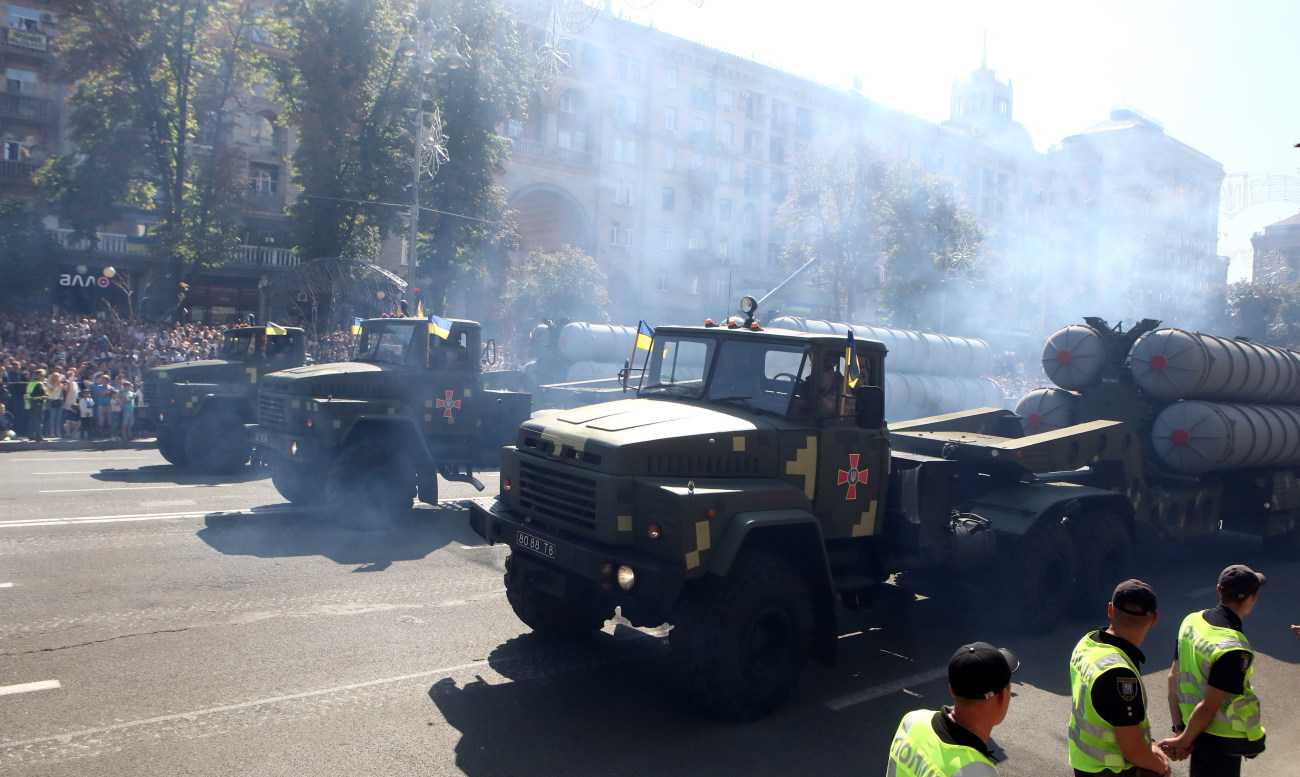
776, 153
17, 80
625, 109
264, 179
668, 160
694, 286
670, 77
697, 203
565, 103
724, 209
723, 249
625, 151
667, 198
665, 240
697, 161
724, 171
624, 193
727, 133
728, 99
696, 242
752, 142
721, 289
16, 151
514, 128
670, 119
699, 125
663, 281
21, 18
629, 68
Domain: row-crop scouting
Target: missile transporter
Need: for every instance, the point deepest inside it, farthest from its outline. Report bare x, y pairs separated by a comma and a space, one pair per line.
370, 434
751, 487
199, 408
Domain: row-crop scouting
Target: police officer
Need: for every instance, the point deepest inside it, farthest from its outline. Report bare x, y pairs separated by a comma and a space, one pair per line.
1109, 730
1215, 711
953, 742
34, 401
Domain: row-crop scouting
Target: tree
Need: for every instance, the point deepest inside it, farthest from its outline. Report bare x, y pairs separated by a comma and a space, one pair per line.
881, 233
1262, 313
25, 247
153, 77
353, 96
555, 288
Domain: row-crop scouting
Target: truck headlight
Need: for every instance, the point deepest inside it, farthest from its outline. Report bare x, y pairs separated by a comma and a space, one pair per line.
626, 577
293, 448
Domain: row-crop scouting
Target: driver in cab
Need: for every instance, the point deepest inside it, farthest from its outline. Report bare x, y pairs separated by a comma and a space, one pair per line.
737, 375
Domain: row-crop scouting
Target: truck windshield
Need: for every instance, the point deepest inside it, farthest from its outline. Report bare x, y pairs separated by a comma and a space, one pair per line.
676, 367
759, 375
240, 345
388, 341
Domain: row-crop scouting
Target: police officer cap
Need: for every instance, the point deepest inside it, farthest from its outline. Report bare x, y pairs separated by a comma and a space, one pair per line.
1240, 581
979, 670
1134, 597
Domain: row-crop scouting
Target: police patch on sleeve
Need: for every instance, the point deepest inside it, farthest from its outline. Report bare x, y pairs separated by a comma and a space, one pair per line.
1128, 687
1245, 661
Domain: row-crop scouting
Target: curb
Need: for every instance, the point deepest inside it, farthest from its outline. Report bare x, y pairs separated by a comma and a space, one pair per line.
147, 443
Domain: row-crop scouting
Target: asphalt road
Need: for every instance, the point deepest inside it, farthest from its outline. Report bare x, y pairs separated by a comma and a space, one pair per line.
162, 624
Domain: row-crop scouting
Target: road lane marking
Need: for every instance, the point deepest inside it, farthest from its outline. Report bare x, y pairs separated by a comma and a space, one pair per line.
91, 458
137, 488
138, 517
81, 472
6, 585
871, 694
43, 685
241, 706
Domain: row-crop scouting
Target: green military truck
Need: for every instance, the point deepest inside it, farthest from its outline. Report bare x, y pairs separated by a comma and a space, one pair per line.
749, 489
370, 434
199, 408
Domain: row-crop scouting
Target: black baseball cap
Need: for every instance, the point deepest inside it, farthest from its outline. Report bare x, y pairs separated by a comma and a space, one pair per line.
1240, 581
979, 670
1134, 597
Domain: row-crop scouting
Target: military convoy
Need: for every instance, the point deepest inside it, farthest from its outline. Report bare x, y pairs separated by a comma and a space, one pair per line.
199, 408
370, 434
751, 484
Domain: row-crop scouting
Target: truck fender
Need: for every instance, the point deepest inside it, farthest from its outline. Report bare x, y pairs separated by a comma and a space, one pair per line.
796, 536
1015, 510
213, 402
401, 430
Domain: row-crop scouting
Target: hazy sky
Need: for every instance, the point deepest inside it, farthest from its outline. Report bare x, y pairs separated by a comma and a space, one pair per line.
1221, 77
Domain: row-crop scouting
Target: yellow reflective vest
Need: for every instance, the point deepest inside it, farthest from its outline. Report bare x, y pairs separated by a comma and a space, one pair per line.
1092, 742
1200, 644
917, 751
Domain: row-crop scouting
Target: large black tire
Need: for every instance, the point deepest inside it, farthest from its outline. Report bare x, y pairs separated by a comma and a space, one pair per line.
576, 616
296, 483
172, 447
371, 483
215, 443
1105, 552
1036, 579
739, 642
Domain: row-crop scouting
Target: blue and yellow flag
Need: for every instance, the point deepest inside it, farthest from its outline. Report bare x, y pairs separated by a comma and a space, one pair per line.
851, 373
275, 329
419, 308
644, 335
356, 325
439, 326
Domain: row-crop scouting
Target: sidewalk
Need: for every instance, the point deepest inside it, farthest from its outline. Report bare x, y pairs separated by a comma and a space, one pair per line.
24, 444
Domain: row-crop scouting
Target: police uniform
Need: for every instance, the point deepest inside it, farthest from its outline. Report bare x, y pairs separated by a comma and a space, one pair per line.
1213, 651
934, 744
1106, 685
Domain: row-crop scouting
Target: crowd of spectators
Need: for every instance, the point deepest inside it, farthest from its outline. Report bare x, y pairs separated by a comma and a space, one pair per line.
104, 360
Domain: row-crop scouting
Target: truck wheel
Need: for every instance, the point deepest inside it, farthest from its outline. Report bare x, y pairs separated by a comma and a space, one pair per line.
1105, 550
1037, 579
573, 617
427, 486
172, 447
296, 482
370, 483
215, 444
739, 642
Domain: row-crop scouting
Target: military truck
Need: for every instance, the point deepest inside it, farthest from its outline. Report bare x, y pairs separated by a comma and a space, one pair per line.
749, 487
369, 434
199, 408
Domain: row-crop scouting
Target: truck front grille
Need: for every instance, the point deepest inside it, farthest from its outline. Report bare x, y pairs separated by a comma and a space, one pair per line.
560, 495
270, 411
151, 394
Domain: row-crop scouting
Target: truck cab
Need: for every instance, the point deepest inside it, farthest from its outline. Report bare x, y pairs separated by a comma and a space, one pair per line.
199, 408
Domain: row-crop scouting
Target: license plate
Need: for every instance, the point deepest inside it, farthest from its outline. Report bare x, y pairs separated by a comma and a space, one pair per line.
261, 437
535, 544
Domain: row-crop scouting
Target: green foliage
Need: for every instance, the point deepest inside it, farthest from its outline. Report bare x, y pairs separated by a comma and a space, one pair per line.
884, 235
26, 251
153, 77
557, 287
1262, 313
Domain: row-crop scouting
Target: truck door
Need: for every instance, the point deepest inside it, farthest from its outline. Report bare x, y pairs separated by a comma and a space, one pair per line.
852, 463
450, 392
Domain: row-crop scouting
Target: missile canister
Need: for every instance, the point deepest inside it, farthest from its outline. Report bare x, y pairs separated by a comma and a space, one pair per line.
1177, 364
1197, 437
912, 395
581, 341
1046, 410
1073, 357
909, 351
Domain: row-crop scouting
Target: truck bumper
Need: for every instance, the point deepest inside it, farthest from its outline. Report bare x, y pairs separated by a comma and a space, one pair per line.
657, 584
293, 448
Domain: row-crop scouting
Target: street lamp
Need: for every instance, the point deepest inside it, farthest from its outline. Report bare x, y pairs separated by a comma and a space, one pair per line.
429, 150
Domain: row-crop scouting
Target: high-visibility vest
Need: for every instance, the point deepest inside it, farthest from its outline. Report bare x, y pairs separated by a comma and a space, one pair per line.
917, 751
1199, 646
1092, 742
31, 386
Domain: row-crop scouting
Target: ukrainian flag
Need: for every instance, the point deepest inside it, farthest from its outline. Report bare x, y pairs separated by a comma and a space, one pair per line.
275, 329
851, 372
439, 326
644, 334
419, 309
356, 325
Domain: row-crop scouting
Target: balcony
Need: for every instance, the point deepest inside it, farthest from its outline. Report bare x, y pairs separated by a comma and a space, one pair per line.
19, 106
266, 203
264, 149
125, 245
526, 146
13, 171
267, 256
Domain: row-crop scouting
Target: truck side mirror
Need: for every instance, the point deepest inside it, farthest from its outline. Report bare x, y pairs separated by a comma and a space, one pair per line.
870, 402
